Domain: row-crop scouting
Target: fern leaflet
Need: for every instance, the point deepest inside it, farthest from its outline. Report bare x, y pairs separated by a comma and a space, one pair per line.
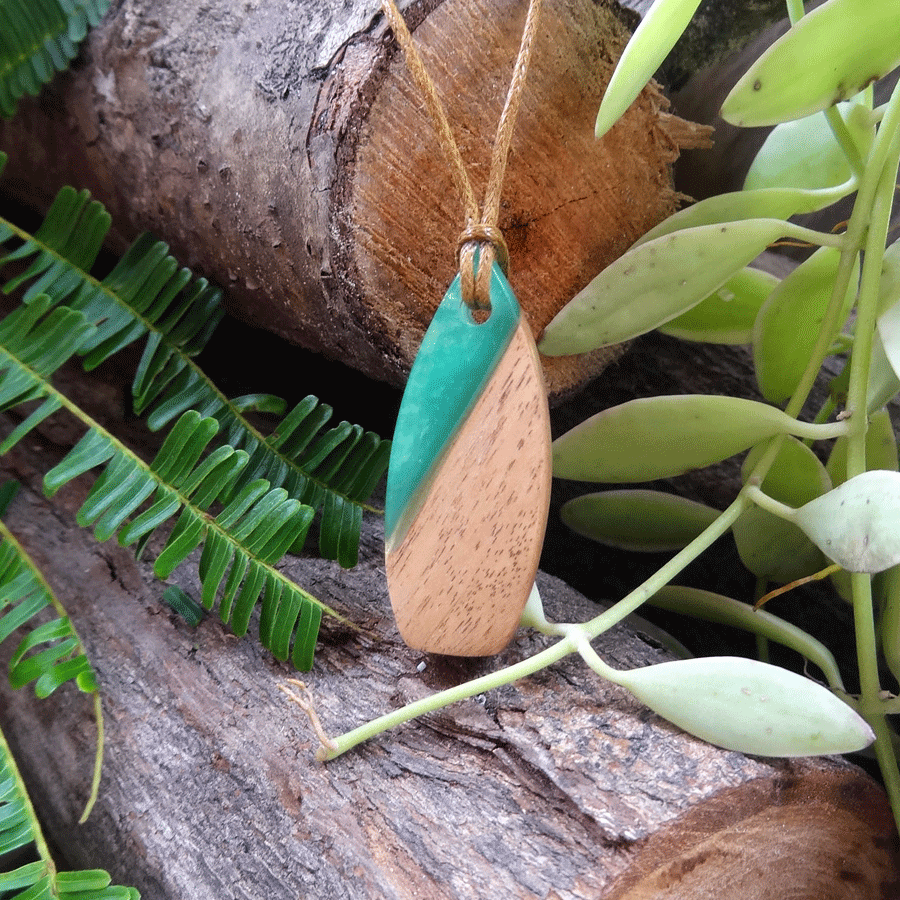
39, 38
19, 829
256, 526
51, 653
148, 295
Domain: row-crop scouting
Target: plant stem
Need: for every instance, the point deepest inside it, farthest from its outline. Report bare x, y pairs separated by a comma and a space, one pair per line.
659, 579
98, 760
811, 236
887, 760
795, 10
564, 647
842, 136
350, 739
769, 504
816, 432
869, 225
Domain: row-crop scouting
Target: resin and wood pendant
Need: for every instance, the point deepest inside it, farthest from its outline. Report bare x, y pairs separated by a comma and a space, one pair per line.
469, 479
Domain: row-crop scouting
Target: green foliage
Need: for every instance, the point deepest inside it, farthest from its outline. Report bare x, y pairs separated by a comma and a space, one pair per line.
658, 437
655, 282
729, 314
793, 515
148, 296
788, 325
51, 653
183, 604
822, 164
257, 522
857, 41
39, 38
650, 521
246, 495
20, 831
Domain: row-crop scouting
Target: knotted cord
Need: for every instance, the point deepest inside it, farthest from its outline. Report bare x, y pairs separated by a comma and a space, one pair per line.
481, 232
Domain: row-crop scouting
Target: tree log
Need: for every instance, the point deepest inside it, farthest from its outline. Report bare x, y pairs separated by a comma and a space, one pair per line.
558, 786
282, 150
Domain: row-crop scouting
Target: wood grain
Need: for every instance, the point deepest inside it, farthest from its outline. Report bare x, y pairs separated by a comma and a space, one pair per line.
461, 574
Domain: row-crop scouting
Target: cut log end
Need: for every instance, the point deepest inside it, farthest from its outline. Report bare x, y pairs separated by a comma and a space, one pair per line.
753, 843
570, 206
308, 181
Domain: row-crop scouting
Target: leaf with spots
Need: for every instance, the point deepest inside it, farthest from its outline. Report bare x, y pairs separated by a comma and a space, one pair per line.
654, 282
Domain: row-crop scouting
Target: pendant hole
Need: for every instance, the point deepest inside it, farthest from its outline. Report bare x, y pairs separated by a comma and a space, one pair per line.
480, 316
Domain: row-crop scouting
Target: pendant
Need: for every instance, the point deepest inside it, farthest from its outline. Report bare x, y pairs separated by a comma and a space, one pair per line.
469, 479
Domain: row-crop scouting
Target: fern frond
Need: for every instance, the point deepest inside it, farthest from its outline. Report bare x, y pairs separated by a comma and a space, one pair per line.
39, 38
255, 527
241, 545
148, 296
20, 830
51, 653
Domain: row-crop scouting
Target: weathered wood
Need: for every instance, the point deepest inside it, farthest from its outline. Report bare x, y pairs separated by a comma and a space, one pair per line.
282, 150
558, 786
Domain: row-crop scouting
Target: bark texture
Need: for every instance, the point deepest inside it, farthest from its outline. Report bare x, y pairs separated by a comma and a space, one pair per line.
282, 150
559, 786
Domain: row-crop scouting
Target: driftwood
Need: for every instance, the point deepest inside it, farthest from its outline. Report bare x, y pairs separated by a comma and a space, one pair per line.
557, 786
282, 151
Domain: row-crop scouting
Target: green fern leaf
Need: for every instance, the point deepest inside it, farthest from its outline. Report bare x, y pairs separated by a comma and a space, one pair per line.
19, 829
256, 524
51, 653
250, 534
39, 38
148, 296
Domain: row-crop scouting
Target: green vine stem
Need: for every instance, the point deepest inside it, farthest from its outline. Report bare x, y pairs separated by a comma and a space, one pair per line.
880, 184
573, 635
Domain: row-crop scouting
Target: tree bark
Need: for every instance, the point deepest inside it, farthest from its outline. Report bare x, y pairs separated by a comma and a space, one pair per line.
560, 785
283, 151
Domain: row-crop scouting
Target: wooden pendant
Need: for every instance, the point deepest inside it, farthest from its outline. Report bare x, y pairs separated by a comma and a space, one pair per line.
469, 479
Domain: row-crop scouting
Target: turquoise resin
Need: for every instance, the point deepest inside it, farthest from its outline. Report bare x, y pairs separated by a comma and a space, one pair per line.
453, 365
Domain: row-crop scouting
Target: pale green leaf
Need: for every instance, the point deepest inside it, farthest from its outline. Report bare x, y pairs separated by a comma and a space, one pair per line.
857, 525
805, 154
728, 315
654, 282
889, 283
749, 706
659, 437
649, 521
883, 380
827, 56
736, 206
889, 320
790, 323
769, 546
649, 45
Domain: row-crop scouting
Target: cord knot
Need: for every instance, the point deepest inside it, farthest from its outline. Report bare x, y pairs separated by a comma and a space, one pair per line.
487, 241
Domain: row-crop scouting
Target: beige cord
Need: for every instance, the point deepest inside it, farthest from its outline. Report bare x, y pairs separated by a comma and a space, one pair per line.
481, 231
